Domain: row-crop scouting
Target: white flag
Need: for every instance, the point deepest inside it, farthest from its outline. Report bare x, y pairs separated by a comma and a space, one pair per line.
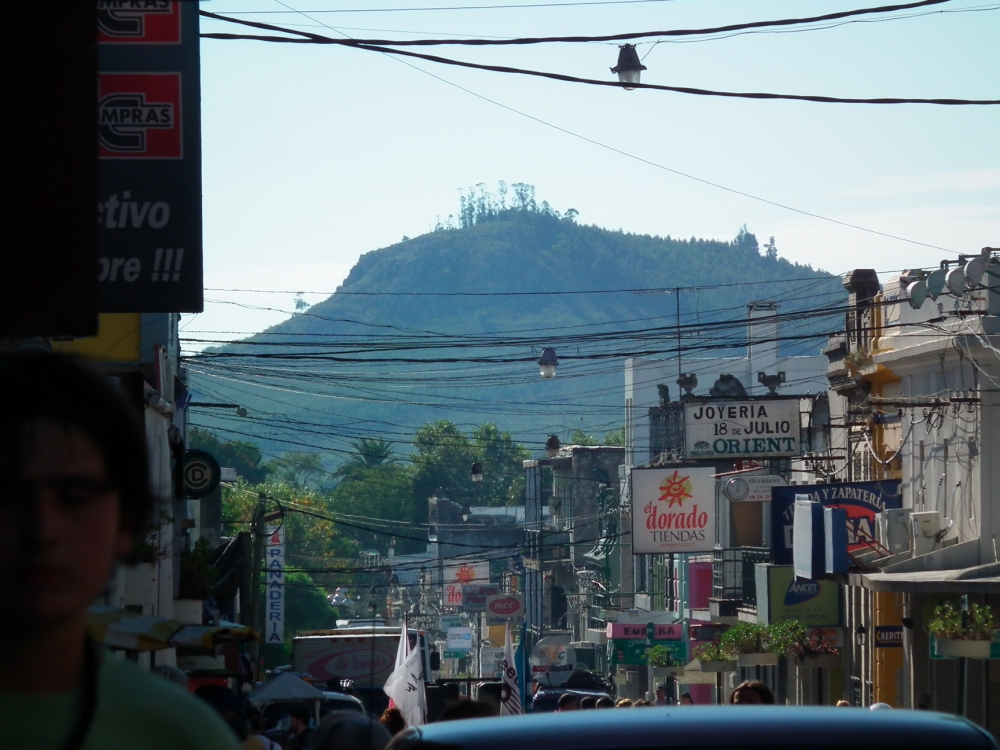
406, 683
510, 693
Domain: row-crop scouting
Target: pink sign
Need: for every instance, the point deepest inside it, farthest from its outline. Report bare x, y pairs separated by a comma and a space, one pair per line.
635, 632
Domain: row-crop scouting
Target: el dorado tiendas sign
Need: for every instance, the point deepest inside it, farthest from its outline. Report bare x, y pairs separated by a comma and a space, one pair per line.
673, 510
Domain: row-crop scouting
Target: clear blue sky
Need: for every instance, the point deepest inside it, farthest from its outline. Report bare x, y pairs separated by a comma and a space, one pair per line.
314, 155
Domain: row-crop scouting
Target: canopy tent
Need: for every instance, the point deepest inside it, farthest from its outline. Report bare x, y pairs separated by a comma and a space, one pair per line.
124, 629
285, 688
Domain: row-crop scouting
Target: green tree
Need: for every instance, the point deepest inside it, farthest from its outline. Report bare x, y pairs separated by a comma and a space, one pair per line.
615, 438
503, 470
367, 453
579, 437
299, 468
443, 459
241, 455
379, 503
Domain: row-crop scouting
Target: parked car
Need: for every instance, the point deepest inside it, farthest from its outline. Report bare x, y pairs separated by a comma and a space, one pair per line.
718, 727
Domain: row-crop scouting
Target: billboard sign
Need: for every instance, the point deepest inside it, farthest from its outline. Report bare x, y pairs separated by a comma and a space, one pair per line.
813, 603
633, 652
861, 500
673, 510
468, 572
459, 639
274, 625
742, 429
623, 631
490, 661
474, 597
149, 214
505, 608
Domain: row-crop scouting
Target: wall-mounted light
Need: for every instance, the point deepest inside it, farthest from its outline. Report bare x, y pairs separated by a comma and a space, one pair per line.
861, 635
629, 67
548, 363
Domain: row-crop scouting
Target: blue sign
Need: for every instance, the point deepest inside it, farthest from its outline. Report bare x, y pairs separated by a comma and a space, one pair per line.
861, 501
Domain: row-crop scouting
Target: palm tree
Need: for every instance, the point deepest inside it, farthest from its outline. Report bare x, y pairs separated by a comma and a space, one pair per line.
367, 453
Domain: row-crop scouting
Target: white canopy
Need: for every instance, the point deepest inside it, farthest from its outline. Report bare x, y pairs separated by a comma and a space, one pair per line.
285, 688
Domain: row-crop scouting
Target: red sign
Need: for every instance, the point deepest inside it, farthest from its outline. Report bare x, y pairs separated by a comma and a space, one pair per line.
131, 22
139, 116
506, 606
635, 632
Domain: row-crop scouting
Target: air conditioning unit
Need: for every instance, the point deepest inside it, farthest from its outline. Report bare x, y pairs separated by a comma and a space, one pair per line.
928, 528
893, 529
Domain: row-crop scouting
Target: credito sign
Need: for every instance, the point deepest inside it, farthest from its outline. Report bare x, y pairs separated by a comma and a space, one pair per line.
673, 510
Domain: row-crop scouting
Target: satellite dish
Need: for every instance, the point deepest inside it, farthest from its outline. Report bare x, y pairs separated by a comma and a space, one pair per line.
955, 281
935, 283
975, 269
916, 294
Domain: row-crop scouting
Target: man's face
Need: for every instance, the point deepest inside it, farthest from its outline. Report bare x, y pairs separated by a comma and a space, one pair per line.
746, 696
660, 694
297, 726
686, 701
570, 706
60, 529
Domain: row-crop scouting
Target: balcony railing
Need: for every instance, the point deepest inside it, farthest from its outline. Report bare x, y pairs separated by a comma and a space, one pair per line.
733, 576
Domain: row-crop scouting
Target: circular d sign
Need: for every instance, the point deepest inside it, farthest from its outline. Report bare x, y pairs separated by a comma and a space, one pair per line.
201, 473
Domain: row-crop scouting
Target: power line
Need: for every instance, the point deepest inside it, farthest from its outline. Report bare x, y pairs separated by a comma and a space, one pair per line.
508, 6
586, 39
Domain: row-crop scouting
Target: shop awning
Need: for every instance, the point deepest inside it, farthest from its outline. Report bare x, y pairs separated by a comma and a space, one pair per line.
980, 579
285, 688
124, 629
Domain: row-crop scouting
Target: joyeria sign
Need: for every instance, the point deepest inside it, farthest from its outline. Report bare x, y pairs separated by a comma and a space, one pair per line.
673, 510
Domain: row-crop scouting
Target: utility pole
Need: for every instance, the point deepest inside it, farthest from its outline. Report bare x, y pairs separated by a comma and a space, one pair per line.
258, 532
677, 303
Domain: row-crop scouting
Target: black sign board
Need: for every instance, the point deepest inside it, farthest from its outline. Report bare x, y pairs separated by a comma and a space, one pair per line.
149, 144
201, 473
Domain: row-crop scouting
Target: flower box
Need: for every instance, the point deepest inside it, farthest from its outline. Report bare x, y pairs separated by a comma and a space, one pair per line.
968, 649
757, 660
820, 661
713, 666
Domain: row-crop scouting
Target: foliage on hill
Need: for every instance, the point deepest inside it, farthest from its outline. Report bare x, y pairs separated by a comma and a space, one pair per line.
509, 242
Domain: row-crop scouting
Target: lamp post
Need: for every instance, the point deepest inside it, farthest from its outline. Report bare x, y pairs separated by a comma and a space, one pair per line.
629, 67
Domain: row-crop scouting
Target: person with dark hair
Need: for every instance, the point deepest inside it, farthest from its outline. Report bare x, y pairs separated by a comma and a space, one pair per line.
468, 710
228, 704
661, 695
605, 702
686, 699
752, 692
299, 732
568, 702
348, 730
588, 702
392, 719
642, 703
74, 497
256, 723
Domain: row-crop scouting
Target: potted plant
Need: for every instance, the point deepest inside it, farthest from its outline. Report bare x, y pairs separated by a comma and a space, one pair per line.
963, 633
661, 659
713, 657
753, 644
810, 653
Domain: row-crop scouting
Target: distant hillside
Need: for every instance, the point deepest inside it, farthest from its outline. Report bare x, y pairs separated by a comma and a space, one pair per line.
495, 248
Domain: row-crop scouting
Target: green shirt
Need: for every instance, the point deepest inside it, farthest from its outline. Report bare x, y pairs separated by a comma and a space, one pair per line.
135, 711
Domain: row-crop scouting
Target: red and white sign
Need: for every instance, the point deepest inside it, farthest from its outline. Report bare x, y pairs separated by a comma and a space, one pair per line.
636, 632
131, 22
673, 510
504, 608
139, 116
468, 572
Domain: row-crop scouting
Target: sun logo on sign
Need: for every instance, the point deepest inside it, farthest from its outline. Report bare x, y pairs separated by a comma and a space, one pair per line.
465, 574
676, 489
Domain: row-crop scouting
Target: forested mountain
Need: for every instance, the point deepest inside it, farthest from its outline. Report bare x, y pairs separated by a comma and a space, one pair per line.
448, 325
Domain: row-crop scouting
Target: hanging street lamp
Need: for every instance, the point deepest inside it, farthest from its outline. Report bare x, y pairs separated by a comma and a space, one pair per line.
629, 67
466, 512
477, 472
548, 363
432, 534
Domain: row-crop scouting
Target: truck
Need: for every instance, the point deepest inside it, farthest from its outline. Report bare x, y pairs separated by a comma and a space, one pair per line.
361, 652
